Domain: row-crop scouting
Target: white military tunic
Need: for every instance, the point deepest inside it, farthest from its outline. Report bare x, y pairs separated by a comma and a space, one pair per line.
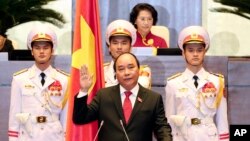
185, 102
38, 113
110, 79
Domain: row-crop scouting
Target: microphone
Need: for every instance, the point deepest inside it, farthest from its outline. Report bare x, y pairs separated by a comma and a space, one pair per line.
101, 124
124, 130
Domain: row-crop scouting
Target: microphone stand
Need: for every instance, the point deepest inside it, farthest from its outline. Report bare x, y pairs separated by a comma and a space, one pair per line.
124, 130
101, 124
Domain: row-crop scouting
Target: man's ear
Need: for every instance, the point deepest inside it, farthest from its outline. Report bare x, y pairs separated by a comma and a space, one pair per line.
183, 53
52, 51
31, 52
206, 50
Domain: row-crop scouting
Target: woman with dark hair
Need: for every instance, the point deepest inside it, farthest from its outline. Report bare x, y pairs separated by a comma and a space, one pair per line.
143, 16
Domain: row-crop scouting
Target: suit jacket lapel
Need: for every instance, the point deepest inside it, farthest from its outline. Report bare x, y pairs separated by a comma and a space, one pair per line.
188, 82
115, 94
139, 102
204, 79
50, 78
34, 78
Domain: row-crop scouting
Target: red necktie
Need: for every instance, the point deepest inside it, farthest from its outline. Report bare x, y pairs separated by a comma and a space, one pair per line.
127, 106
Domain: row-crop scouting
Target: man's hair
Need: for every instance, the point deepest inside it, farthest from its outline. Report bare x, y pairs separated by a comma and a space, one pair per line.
137, 61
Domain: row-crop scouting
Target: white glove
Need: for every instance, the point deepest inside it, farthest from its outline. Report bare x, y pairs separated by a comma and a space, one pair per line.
182, 123
23, 119
180, 120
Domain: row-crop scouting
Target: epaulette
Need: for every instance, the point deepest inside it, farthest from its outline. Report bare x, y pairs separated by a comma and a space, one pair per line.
19, 72
174, 76
106, 64
218, 74
62, 72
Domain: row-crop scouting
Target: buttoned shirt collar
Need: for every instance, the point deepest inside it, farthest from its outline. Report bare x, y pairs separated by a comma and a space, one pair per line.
38, 71
134, 90
189, 74
132, 97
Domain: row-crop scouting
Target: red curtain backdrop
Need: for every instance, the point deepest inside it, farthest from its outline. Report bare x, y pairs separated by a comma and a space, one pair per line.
86, 50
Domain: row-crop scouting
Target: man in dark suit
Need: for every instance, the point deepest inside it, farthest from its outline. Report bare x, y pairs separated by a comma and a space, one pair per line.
111, 106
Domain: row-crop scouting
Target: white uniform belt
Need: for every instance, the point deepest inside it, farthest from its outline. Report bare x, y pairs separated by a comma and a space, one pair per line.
197, 121
43, 119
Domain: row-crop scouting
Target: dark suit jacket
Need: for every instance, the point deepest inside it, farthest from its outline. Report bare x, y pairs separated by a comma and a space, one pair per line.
148, 115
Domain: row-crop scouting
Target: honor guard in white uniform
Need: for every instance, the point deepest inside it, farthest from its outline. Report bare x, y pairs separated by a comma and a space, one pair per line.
120, 36
195, 103
38, 106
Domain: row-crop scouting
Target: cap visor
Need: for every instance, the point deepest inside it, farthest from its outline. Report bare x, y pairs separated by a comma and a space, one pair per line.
120, 34
41, 39
190, 42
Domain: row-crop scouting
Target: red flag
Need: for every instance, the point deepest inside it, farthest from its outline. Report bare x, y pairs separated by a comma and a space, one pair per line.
86, 50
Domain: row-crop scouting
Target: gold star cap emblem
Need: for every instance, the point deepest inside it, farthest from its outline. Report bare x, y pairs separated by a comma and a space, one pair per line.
42, 37
194, 38
120, 32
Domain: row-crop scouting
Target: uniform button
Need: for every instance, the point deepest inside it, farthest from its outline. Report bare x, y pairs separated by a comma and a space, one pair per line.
42, 128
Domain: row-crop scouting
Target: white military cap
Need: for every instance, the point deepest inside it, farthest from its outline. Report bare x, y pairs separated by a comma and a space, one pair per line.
121, 28
193, 34
41, 33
